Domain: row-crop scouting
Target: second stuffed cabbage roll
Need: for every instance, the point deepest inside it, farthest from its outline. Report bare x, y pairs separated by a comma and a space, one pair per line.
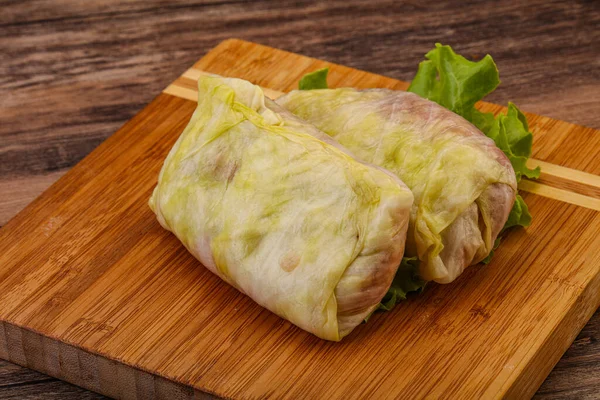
464, 186
293, 221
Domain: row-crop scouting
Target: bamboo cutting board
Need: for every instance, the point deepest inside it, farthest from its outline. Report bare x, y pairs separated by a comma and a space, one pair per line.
95, 292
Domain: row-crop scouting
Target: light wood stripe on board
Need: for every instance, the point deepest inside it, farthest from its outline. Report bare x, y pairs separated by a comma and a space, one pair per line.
559, 194
184, 93
570, 174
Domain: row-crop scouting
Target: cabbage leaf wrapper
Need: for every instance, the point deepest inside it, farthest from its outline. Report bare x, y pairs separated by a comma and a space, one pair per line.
464, 186
280, 211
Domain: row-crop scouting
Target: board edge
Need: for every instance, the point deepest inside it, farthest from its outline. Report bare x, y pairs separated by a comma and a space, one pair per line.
94, 372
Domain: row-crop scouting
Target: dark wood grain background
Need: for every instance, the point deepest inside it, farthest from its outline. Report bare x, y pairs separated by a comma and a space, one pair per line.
72, 72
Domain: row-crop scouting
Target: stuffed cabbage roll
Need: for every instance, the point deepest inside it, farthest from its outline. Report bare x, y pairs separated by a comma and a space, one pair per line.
464, 186
293, 221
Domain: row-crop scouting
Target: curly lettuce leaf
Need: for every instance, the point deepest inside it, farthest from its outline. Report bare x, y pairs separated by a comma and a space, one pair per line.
511, 134
457, 84
405, 281
461, 83
314, 80
519, 215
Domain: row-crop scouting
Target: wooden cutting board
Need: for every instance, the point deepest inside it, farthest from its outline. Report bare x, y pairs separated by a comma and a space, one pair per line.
95, 292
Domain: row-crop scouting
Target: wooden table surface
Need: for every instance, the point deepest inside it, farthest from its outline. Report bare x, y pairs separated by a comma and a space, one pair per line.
72, 72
